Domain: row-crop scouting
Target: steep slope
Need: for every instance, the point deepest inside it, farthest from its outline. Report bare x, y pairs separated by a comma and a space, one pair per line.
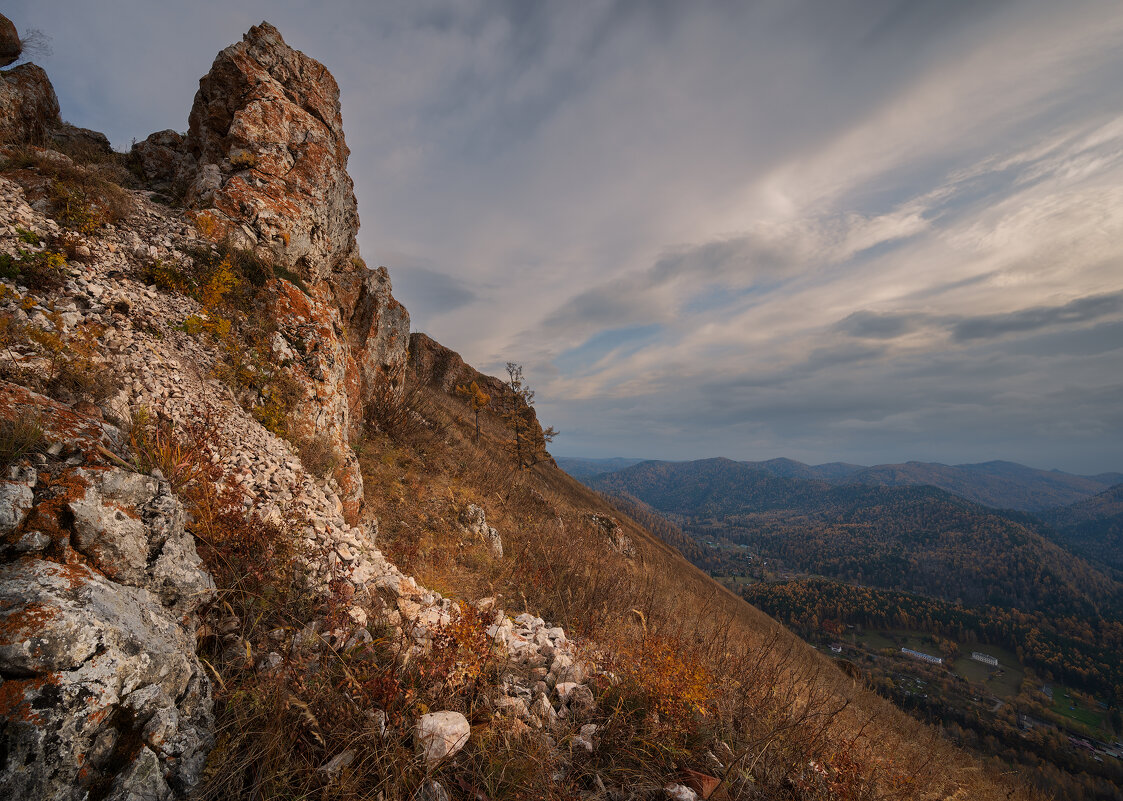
249, 547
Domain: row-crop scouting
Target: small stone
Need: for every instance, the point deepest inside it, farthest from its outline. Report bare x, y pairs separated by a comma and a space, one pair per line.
338, 763
440, 734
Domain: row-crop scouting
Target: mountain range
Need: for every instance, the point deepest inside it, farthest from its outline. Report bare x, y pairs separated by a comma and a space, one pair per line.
999, 484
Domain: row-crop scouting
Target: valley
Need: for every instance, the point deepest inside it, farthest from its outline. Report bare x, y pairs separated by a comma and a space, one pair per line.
862, 571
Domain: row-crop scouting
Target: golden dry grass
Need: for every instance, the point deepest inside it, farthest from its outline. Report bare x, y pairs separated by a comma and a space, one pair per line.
697, 664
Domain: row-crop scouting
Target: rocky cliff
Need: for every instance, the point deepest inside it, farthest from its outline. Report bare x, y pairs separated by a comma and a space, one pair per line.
121, 348
264, 166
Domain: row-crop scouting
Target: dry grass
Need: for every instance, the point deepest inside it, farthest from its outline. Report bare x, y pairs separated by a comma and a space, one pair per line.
694, 666
18, 438
690, 669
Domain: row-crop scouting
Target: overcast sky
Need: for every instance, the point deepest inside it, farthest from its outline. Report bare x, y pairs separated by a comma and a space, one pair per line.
863, 231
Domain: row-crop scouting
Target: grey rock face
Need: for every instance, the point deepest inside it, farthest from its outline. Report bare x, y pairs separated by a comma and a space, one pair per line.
148, 547
90, 668
101, 691
15, 502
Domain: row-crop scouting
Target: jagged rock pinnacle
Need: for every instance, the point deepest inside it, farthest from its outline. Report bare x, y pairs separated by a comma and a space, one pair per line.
266, 136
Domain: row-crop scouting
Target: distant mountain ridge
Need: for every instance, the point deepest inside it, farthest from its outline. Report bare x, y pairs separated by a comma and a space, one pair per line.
920, 539
998, 484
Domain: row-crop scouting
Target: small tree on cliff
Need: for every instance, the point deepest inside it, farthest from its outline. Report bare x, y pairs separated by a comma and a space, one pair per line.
530, 439
477, 399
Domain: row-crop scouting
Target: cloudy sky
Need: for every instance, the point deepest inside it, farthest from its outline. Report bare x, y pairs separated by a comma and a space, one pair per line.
860, 230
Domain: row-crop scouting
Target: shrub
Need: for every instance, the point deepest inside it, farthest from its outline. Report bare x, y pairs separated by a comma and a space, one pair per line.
39, 271
27, 237
318, 454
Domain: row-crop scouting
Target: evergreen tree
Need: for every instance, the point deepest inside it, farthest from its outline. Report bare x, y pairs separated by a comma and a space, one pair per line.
530, 440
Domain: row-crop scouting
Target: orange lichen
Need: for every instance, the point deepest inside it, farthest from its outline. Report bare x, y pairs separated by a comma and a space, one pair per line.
14, 693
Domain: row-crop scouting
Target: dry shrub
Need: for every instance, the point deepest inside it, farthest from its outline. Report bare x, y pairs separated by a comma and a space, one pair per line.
318, 454
461, 652
657, 675
74, 370
156, 444
39, 271
19, 437
401, 414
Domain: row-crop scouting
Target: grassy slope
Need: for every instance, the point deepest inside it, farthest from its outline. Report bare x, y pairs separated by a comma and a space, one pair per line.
777, 700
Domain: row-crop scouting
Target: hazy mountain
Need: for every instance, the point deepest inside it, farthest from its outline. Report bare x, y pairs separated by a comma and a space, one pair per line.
1003, 485
581, 468
999, 484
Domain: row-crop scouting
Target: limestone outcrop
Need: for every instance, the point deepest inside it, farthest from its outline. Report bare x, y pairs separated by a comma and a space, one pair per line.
99, 585
264, 163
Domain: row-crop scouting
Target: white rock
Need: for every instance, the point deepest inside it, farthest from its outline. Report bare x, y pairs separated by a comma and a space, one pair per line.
440, 734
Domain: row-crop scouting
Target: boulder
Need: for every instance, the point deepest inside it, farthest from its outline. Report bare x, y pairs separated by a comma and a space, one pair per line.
28, 106
10, 46
438, 735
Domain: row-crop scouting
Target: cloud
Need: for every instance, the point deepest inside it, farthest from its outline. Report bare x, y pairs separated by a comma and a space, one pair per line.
855, 230
428, 290
1081, 310
872, 325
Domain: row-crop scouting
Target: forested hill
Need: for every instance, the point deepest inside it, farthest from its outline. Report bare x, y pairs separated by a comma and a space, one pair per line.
1092, 527
917, 539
